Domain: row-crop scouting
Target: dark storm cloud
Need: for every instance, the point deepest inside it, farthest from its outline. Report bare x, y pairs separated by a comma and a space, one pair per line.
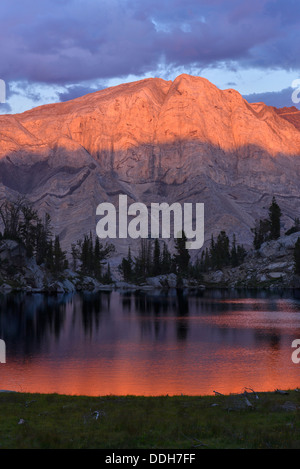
67, 41
278, 99
76, 91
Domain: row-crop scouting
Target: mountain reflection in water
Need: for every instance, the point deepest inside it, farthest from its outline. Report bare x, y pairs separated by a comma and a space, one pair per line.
149, 343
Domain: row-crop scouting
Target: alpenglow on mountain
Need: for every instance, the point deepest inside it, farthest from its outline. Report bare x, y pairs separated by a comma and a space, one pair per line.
154, 140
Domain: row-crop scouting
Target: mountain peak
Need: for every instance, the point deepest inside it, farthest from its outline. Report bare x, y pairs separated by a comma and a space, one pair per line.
153, 140
154, 111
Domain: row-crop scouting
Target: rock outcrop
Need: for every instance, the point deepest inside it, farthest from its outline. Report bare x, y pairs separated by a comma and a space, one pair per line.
272, 266
20, 273
153, 140
291, 114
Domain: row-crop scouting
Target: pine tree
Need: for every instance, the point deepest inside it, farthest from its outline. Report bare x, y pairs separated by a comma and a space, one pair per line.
143, 260
268, 229
219, 251
92, 255
91, 263
241, 254
107, 278
274, 217
84, 256
207, 261
97, 259
212, 252
237, 253
75, 255
28, 228
297, 257
233, 254
126, 267
197, 268
10, 214
261, 233
59, 257
49, 257
156, 265
166, 261
108, 273
130, 265
222, 250
43, 236
182, 256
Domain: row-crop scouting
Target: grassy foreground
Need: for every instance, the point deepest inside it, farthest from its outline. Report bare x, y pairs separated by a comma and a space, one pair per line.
180, 422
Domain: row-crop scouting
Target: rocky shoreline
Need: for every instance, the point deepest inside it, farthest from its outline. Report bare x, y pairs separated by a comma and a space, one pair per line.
270, 268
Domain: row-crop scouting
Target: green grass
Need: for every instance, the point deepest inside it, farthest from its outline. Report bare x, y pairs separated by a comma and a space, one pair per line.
180, 422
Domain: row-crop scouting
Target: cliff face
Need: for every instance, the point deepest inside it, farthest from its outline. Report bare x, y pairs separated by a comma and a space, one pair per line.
154, 140
291, 114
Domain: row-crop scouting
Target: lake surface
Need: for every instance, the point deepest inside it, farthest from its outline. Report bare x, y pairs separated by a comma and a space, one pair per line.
149, 343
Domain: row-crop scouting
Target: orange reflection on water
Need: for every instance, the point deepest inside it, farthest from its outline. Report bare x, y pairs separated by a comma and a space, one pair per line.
143, 345
227, 372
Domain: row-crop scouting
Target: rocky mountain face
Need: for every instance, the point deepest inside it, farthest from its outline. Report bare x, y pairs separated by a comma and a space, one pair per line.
155, 141
291, 114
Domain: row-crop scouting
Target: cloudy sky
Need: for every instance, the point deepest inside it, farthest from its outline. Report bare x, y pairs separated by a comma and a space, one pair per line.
55, 50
